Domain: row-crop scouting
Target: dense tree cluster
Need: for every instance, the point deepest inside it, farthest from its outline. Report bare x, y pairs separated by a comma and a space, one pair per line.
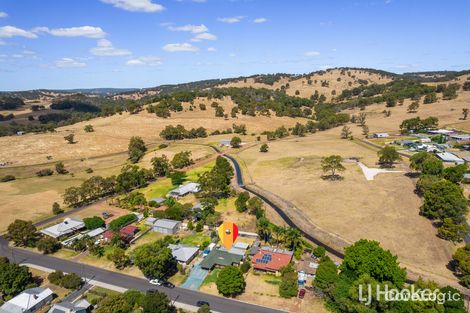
444, 200
13, 279
216, 182
178, 132
155, 259
135, 301
230, 281
365, 262
69, 281
416, 124
136, 149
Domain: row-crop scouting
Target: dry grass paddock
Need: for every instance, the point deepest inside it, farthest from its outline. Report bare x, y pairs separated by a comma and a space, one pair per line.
385, 209
31, 197
336, 79
263, 289
112, 133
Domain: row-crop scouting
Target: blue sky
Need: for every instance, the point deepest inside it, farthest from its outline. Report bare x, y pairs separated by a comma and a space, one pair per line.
64, 44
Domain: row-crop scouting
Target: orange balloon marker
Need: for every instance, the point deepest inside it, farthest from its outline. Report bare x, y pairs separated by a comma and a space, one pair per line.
228, 233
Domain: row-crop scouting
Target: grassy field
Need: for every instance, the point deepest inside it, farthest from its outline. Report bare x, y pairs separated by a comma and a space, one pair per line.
385, 209
33, 196
306, 90
261, 291
112, 133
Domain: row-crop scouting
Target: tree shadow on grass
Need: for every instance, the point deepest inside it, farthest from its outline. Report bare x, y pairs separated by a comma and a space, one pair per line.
332, 177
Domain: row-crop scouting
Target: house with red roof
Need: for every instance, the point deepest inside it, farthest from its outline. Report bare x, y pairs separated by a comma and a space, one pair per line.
127, 233
269, 259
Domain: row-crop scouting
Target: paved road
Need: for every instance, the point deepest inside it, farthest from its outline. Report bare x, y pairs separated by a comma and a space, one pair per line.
129, 282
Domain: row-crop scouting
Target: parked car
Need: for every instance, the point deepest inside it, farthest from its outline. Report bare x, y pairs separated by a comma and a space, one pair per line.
167, 284
156, 282
106, 215
201, 303
302, 293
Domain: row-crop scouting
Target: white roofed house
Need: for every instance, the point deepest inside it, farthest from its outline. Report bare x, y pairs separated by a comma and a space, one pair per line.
67, 227
182, 253
166, 226
30, 300
184, 190
459, 137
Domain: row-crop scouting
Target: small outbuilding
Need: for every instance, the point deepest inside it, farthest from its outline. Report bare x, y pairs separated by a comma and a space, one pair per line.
381, 135
81, 306
166, 226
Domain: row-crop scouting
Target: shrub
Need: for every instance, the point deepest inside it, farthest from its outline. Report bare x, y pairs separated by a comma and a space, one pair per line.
120, 222
44, 172
7, 178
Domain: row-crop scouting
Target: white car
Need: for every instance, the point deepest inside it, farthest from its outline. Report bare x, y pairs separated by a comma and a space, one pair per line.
156, 282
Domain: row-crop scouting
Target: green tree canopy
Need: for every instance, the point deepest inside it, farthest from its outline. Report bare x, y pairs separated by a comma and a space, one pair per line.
367, 257
230, 281
444, 199
13, 278
388, 155
157, 302
136, 149
93, 222
155, 259
235, 142
332, 164
22, 233
161, 166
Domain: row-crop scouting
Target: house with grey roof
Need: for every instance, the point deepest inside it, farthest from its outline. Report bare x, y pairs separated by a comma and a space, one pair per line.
166, 226
183, 253
81, 306
449, 157
220, 258
184, 190
30, 300
158, 201
67, 227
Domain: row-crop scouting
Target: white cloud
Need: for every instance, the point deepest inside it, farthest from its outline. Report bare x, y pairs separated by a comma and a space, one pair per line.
211, 49
260, 20
230, 20
180, 47
204, 36
69, 62
312, 53
12, 31
195, 29
105, 48
136, 5
232, 55
82, 31
3, 14
147, 60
